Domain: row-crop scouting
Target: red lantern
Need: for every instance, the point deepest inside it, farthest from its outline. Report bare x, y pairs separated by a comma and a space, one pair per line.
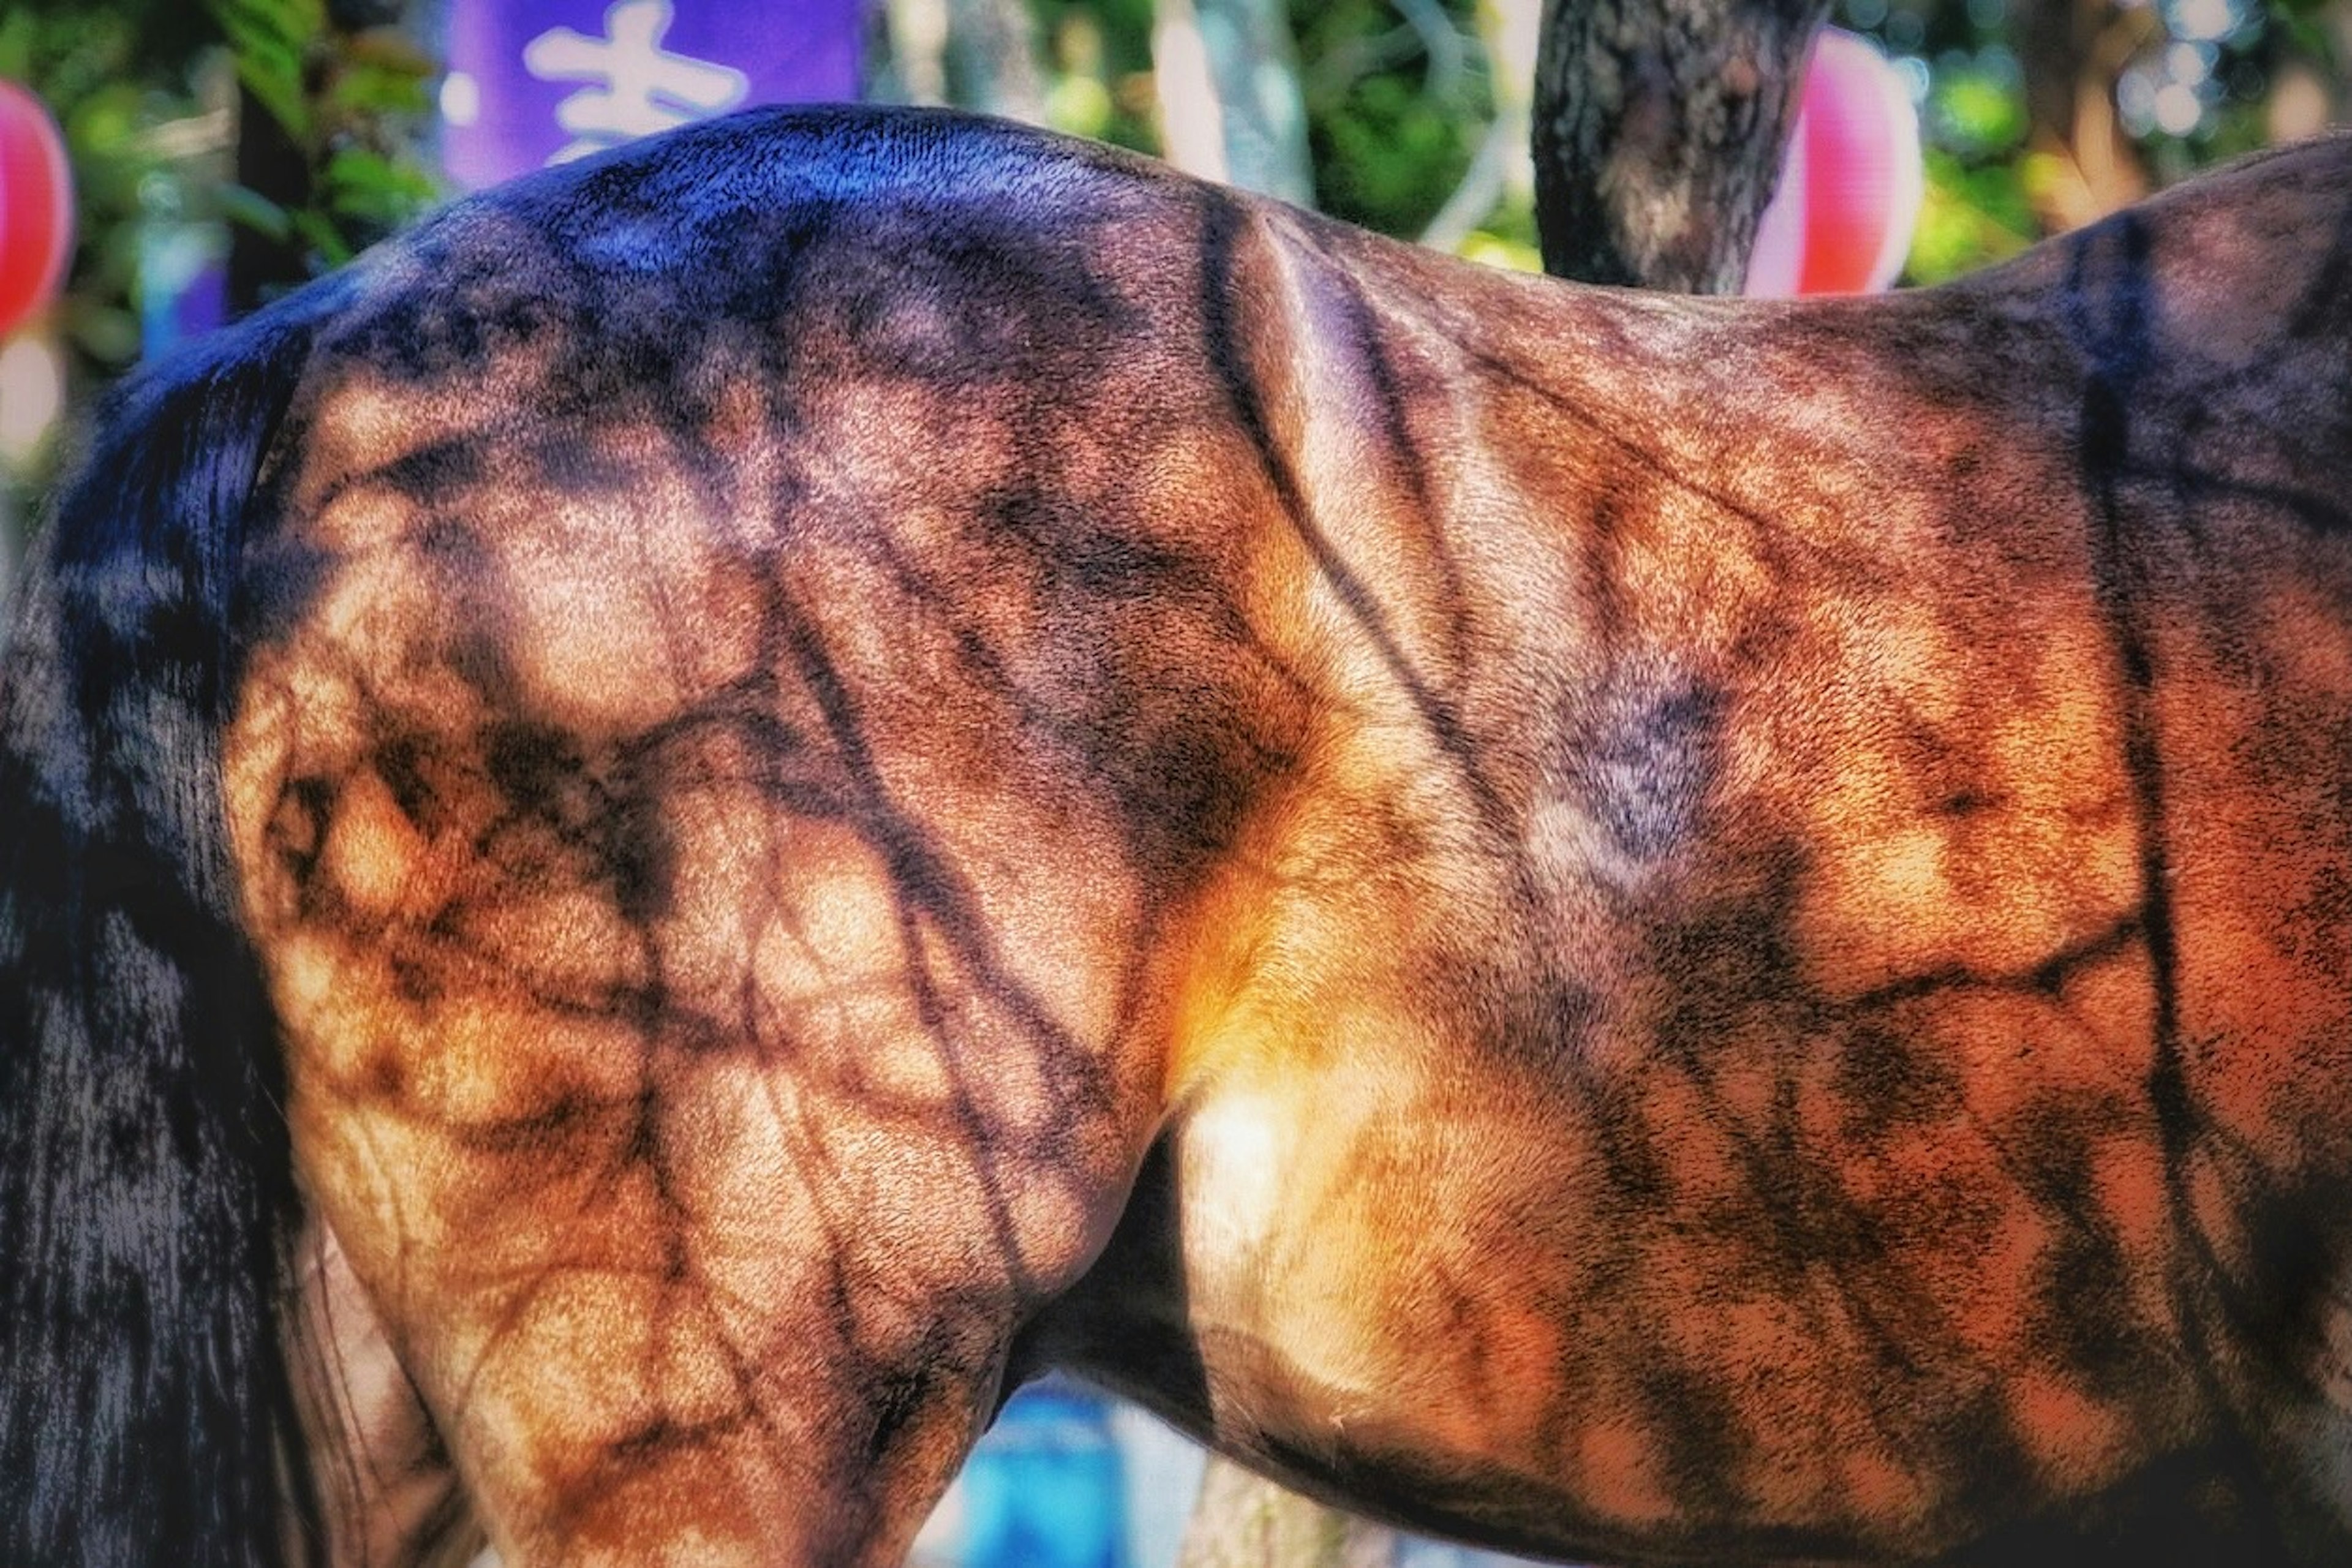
35, 207
1851, 186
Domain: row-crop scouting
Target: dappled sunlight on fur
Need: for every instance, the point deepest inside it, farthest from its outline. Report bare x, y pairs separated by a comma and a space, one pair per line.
1645, 930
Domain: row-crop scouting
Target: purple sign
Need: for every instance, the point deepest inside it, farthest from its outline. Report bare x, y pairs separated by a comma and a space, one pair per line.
541, 81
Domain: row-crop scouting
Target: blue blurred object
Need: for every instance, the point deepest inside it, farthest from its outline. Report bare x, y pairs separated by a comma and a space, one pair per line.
1044, 1489
183, 282
535, 82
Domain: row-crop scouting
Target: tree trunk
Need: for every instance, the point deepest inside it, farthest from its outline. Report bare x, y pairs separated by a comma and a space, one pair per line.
272, 165
1659, 126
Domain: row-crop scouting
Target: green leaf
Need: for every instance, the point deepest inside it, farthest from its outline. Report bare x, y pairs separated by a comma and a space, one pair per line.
1979, 115
374, 89
1967, 219
377, 191
318, 231
250, 209
270, 39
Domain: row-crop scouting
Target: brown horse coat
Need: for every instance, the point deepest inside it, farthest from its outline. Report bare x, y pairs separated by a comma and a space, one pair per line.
865, 753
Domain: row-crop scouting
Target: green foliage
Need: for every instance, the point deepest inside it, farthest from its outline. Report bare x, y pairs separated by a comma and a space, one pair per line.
2190, 84
145, 92
361, 186
1970, 216
64, 47
270, 41
1396, 93
1507, 237
349, 106
1098, 58
1977, 106
124, 82
1397, 101
1398, 96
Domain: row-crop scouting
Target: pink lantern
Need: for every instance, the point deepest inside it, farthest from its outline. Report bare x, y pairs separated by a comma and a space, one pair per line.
35, 207
1850, 186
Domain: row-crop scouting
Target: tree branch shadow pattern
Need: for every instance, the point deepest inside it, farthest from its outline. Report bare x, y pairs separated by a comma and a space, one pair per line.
845, 718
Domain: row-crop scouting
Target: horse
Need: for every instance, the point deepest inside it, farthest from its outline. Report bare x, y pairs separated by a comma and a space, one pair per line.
739, 794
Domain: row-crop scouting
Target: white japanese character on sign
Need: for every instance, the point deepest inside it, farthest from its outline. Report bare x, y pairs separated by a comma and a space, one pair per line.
639, 86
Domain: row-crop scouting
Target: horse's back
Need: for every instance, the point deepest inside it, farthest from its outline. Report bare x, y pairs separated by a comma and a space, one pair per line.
1680, 906
1834, 1050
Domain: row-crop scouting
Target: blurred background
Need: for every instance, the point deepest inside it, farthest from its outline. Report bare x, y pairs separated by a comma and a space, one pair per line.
216, 152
